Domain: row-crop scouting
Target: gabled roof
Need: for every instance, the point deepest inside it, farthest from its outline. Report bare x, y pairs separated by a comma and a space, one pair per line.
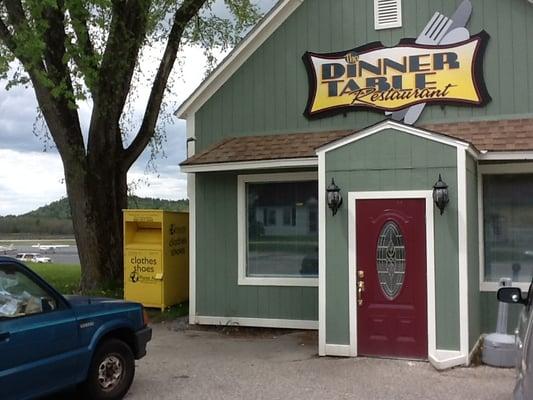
494, 136
255, 38
510, 139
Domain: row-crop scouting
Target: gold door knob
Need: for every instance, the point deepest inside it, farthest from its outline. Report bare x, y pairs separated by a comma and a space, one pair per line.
360, 287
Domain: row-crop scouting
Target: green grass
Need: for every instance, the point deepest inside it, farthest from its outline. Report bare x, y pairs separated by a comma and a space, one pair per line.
65, 278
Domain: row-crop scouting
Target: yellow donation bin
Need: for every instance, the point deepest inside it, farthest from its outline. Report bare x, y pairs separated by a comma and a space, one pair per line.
156, 257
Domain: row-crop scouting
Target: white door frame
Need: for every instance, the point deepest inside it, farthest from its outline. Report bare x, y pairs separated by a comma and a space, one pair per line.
430, 261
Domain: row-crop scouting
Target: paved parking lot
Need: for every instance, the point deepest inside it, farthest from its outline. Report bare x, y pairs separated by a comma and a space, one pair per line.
200, 364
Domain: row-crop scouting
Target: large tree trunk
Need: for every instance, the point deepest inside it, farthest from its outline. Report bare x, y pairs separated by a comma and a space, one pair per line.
97, 196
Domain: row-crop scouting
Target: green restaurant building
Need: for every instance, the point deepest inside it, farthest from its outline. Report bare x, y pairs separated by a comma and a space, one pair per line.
365, 168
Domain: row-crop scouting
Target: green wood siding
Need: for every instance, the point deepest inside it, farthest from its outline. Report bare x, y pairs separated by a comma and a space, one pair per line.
268, 94
392, 160
474, 305
217, 291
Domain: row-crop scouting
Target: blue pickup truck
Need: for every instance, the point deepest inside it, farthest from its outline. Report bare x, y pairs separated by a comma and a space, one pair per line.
50, 342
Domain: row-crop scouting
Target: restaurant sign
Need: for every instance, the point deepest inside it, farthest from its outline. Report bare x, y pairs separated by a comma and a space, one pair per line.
394, 78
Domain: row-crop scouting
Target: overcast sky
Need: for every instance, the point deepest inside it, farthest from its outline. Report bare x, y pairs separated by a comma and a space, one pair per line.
31, 177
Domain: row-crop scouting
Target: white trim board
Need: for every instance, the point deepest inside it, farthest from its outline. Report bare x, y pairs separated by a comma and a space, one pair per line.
258, 322
462, 237
322, 254
494, 169
191, 191
191, 194
506, 155
339, 350
248, 165
242, 241
236, 58
445, 359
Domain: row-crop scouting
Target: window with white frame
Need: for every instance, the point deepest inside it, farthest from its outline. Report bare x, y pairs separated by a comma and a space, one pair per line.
507, 195
278, 239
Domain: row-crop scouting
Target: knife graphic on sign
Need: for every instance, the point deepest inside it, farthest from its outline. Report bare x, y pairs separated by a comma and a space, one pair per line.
454, 32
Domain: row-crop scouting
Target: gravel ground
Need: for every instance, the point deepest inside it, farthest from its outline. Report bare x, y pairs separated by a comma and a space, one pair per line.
207, 364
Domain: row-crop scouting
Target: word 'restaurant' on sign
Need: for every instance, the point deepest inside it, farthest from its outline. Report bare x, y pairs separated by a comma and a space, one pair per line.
391, 79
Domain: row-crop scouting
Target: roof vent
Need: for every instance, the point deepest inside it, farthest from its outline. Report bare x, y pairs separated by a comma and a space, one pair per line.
387, 14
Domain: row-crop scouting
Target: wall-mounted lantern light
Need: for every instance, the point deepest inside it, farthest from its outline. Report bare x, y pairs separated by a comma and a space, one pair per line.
440, 194
334, 197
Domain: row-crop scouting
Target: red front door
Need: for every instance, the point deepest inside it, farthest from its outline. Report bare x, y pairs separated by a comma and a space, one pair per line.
391, 257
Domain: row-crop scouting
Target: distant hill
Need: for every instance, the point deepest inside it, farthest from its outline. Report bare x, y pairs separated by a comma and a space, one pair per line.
157, 204
54, 218
60, 209
57, 209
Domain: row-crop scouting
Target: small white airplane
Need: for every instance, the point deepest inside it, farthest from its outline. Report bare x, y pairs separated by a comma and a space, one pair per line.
7, 249
49, 247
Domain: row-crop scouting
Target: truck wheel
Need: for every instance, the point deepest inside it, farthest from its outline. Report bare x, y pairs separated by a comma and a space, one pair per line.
111, 372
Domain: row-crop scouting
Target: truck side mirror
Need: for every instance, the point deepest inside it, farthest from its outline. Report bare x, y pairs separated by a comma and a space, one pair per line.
511, 295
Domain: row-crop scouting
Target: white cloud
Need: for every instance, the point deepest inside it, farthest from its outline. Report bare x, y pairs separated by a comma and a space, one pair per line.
172, 186
30, 179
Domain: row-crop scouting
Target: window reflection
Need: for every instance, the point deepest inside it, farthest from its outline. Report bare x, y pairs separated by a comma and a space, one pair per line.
508, 226
282, 229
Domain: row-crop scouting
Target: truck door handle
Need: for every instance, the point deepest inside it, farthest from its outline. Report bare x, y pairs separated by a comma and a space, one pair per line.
4, 336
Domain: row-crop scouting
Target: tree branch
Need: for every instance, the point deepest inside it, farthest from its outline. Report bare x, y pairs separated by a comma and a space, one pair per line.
87, 58
6, 38
127, 32
185, 13
17, 19
15, 13
80, 16
55, 39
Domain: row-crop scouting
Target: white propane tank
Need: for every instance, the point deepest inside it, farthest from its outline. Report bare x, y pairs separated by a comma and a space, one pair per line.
499, 347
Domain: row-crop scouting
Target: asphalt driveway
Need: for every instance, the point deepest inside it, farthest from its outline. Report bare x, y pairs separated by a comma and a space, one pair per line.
224, 364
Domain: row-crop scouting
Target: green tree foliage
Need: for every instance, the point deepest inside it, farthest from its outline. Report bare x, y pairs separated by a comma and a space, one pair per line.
28, 227
54, 219
147, 203
57, 209
70, 51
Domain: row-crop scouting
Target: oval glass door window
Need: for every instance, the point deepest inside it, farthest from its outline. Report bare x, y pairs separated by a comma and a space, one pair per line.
391, 259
